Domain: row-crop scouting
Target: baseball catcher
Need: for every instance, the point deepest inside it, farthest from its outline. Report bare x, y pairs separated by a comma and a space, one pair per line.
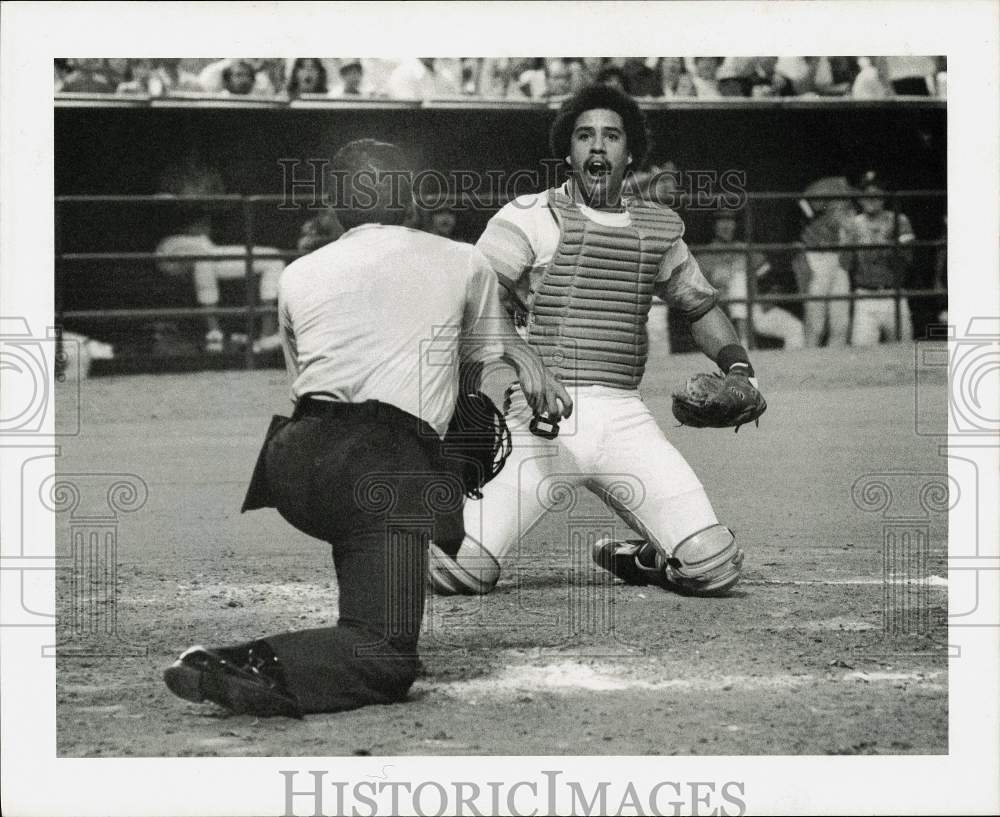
578, 267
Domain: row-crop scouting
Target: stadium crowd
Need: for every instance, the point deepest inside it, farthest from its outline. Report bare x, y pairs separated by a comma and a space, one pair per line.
508, 78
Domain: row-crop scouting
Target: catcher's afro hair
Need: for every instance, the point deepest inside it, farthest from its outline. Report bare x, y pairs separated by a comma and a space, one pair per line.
372, 184
601, 96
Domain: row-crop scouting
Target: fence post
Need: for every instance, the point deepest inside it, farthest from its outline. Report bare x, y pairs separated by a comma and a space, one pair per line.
251, 282
897, 259
751, 274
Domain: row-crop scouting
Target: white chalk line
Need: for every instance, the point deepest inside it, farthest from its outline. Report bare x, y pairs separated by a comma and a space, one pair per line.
569, 677
937, 582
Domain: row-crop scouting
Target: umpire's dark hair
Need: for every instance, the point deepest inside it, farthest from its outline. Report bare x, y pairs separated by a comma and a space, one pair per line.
372, 184
601, 96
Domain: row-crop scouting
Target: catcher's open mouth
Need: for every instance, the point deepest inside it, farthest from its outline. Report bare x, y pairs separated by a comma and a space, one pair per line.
597, 167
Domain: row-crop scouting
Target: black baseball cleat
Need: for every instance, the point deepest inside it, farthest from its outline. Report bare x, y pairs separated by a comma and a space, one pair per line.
625, 559
638, 562
252, 686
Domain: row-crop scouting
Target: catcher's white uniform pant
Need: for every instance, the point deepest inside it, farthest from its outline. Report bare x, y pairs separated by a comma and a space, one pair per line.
872, 317
613, 447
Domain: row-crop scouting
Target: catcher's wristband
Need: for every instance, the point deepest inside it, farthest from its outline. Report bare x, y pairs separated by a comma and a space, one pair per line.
734, 355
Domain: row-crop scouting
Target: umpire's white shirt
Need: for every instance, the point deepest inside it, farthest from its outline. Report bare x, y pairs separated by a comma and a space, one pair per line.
378, 314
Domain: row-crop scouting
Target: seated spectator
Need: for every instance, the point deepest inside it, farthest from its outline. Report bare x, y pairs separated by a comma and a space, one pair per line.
912, 75
146, 77
62, 68
870, 83
352, 78
531, 79
810, 76
471, 68
579, 75
239, 77
308, 76
89, 76
674, 80
880, 270
727, 272
557, 78
194, 239
706, 85
613, 77
496, 78
752, 77
821, 271
422, 78
642, 77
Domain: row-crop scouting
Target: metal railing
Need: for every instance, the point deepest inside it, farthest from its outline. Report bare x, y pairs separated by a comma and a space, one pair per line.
251, 309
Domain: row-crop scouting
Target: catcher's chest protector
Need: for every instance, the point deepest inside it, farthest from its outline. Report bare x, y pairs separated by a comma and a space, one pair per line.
588, 316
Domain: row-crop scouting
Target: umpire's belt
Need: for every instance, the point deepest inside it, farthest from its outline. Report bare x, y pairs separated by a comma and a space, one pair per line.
311, 406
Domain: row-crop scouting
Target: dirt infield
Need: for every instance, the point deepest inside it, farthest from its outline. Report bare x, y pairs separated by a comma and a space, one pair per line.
832, 644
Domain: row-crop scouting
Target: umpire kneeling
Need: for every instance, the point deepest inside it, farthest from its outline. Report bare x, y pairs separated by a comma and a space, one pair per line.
371, 328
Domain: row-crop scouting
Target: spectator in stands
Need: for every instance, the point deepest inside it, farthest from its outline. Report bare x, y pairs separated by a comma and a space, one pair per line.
810, 76
62, 69
752, 77
239, 77
471, 68
422, 78
674, 80
308, 76
89, 76
531, 80
579, 76
821, 271
912, 76
557, 78
613, 77
191, 178
879, 270
352, 75
727, 272
146, 77
706, 85
642, 77
870, 82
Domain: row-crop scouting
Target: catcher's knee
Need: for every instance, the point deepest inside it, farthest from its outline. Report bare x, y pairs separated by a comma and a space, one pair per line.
472, 571
707, 563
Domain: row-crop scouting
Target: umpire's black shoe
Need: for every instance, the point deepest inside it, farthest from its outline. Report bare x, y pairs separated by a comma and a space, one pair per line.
249, 687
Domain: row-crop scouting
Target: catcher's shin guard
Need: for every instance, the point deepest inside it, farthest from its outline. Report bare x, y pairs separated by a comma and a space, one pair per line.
707, 563
472, 571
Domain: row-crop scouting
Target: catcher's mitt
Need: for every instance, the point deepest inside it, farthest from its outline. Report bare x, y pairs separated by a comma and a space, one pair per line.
477, 442
718, 401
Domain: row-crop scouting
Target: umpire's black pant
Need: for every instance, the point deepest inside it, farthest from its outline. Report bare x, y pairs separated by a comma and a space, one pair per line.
365, 477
